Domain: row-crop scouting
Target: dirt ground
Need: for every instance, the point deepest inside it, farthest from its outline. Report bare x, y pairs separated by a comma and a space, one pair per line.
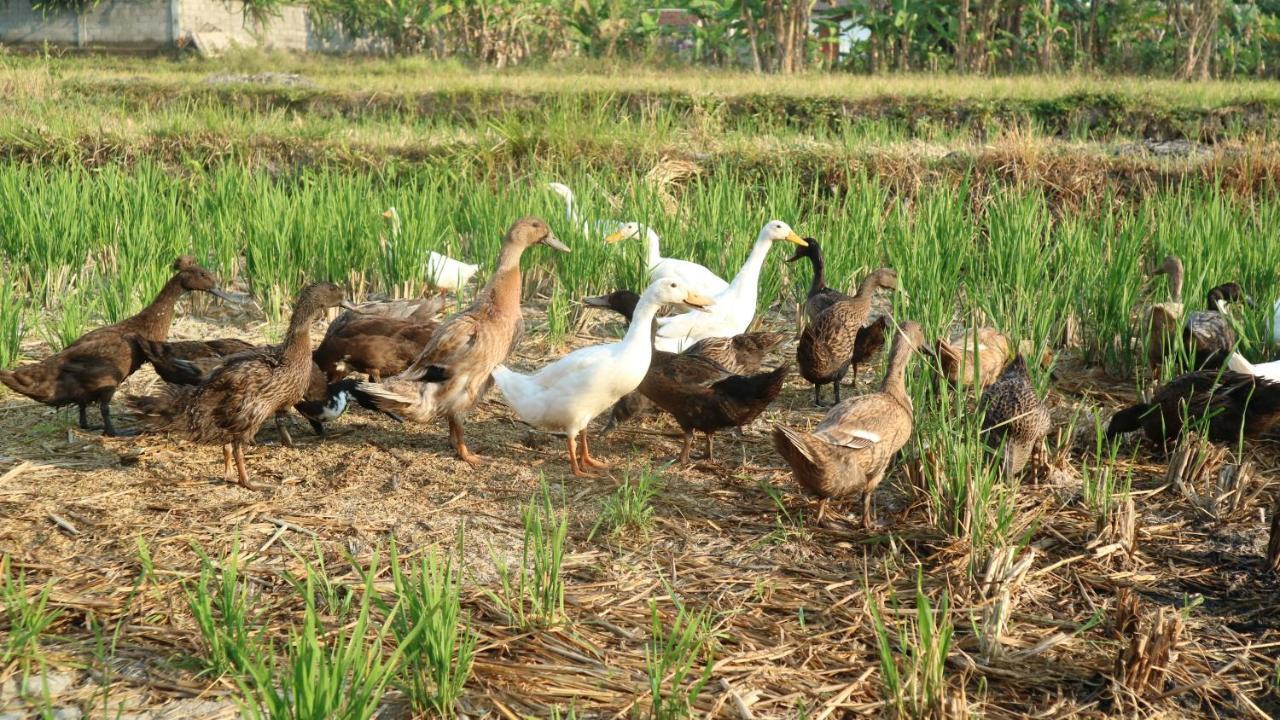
791, 599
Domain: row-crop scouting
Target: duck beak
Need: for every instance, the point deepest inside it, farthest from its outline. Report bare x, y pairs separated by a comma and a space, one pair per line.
698, 302
553, 242
388, 214
795, 239
596, 301
348, 305
615, 236
236, 298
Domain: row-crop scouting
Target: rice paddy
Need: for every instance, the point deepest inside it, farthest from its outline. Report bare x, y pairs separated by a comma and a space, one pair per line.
379, 576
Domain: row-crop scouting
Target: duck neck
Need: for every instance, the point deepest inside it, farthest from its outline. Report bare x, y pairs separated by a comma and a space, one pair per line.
505, 283
746, 284
895, 377
641, 331
153, 321
868, 286
296, 349
1175, 285
651, 249
819, 282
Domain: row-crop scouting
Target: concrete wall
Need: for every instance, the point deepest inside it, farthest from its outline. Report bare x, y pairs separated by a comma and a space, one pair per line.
209, 25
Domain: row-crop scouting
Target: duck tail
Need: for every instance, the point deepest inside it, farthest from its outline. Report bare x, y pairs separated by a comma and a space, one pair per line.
372, 396
33, 380
159, 410
1128, 420
1237, 363
762, 386
800, 449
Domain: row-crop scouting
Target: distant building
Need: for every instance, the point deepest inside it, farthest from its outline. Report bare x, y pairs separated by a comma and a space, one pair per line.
140, 25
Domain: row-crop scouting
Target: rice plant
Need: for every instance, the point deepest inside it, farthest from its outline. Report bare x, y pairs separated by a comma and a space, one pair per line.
221, 603
678, 660
319, 674
438, 643
26, 617
12, 316
334, 598
630, 507
532, 594
913, 656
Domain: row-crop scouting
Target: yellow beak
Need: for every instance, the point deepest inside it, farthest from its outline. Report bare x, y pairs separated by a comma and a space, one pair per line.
389, 214
693, 299
613, 237
795, 239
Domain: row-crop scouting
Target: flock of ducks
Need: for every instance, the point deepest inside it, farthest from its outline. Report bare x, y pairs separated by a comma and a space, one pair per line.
701, 365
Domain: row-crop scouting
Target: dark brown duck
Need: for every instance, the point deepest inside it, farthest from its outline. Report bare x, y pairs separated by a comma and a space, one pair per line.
90, 369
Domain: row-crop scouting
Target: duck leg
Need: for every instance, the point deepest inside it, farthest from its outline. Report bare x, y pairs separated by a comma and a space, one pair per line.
84, 417
836, 386
688, 445
109, 430
285, 438
868, 521
574, 467
317, 427
585, 458
241, 472
375, 375
460, 444
710, 455
822, 510
226, 464
817, 395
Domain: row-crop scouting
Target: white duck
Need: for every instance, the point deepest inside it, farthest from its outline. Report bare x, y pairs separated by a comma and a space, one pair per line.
1275, 323
590, 229
735, 306
692, 274
1270, 370
566, 395
443, 272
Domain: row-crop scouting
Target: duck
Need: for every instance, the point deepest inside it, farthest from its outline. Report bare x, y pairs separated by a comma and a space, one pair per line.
90, 369
1209, 334
1275, 323
984, 351
590, 229
820, 295
193, 362
1269, 370
1234, 404
1164, 319
742, 354
240, 395
465, 348
700, 391
850, 450
1014, 418
735, 307
827, 345
690, 274
380, 341
443, 272
566, 395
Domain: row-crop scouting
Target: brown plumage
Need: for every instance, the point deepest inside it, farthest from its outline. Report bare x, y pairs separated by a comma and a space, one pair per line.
1164, 320
851, 448
710, 404
958, 357
1234, 404
378, 339
1209, 334
741, 354
467, 346
1014, 417
241, 394
90, 369
827, 345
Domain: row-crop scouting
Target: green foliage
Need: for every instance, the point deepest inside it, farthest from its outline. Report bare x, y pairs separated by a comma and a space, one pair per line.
913, 656
678, 660
12, 314
221, 603
630, 507
25, 618
533, 593
438, 645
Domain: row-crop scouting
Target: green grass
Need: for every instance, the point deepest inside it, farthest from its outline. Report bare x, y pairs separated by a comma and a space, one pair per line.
223, 607
913, 653
678, 660
630, 508
27, 618
532, 593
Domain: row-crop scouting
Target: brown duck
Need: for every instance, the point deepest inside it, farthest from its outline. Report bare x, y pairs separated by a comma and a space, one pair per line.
1164, 319
378, 339
241, 394
90, 369
1014, 419
827, 345
851, 448
466, 347
985, 352
193, 362
1210, 334
701, 393
1231, 403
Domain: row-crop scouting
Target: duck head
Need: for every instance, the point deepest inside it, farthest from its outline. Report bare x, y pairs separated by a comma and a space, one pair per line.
622, 302
1172, 266
885, 277
809, 249
195, 278
1225, 294
531, 230
911, 336
629, 230
674, 292
323, 295
778, 231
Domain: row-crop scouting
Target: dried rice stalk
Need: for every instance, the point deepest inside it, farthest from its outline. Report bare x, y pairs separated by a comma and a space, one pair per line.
1195, 460
1124, 619
669, 174
1220, 490
1142, 666
1000, 582
1116, 531
1273, 545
